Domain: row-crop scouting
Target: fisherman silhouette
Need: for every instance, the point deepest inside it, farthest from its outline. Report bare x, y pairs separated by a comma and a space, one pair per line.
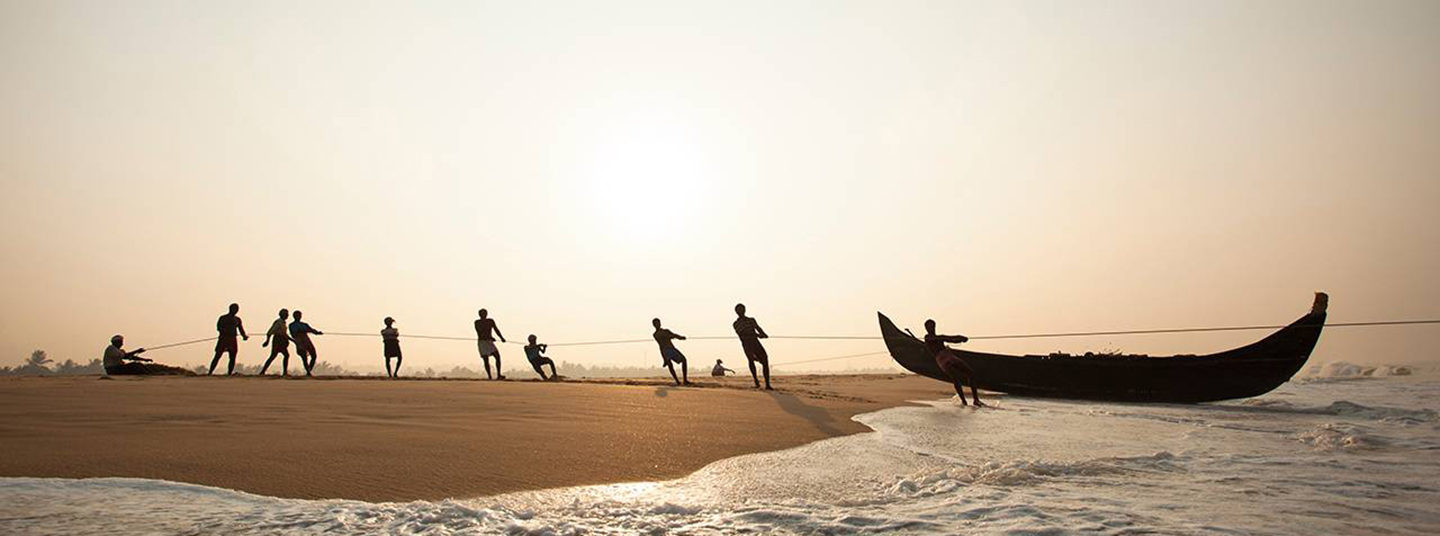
115, 359
720, 369
228, 325
750, 334
391, 337
281, 337
300, 332
532, 352
669, 353
950, 363
486, 343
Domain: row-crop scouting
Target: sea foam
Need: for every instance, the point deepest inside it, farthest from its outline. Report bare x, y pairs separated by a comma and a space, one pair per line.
1311, 457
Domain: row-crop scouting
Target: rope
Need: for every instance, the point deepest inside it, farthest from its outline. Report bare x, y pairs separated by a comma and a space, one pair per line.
788, 363
1195, 330
174, 344
876, 338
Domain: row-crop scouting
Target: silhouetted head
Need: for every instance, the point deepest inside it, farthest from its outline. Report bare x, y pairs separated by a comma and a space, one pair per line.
484, 313
656, 323
389, 321
532, 338
930, 327
297, 314
740, 309
234, 308
284, 313
717, 361
118, 340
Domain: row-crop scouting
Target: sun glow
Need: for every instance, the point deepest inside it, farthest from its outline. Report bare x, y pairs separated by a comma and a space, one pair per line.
646, 183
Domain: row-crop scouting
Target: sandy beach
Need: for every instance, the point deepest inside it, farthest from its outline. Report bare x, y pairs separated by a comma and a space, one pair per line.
382, 440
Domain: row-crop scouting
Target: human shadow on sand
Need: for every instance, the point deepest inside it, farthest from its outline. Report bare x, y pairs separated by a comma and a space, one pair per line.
815, 415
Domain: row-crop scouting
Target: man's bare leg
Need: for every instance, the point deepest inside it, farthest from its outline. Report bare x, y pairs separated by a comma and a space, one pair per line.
273, 352
960, 392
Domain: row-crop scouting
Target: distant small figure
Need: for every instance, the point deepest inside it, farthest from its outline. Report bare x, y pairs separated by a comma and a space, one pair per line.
532, 352
950, 363
228, 325
484, 326
281, 337
720, 369
750, 334
669, 354
115, 358
300, 332
391, 336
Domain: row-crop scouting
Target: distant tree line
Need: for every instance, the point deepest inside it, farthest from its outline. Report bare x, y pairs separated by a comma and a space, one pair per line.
40, 364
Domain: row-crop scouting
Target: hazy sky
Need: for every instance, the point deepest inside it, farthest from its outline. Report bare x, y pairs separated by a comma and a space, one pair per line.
579, 168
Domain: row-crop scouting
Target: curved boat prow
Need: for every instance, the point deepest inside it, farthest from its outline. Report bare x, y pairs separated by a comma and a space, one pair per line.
909, 351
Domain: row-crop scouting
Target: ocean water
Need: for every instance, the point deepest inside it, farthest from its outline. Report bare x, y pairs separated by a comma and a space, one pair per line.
1347, 449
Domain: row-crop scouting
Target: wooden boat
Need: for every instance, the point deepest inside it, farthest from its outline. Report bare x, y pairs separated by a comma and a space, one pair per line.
1243, 372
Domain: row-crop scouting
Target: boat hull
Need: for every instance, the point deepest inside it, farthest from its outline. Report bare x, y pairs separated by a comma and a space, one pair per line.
1243, 372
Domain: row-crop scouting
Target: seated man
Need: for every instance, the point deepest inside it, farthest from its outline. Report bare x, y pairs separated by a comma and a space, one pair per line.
115, 359
720, 369
532, 352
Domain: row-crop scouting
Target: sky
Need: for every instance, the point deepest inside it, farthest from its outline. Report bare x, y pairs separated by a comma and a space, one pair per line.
579, 168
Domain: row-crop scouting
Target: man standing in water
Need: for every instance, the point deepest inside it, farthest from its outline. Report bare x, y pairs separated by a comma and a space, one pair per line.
532, 352
391, 337
750, 334
227, 325
300, 332
484, 326
281, 337
669, 353
951, 363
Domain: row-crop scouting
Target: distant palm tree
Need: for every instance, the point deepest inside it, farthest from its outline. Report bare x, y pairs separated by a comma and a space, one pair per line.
68, 367
38, 358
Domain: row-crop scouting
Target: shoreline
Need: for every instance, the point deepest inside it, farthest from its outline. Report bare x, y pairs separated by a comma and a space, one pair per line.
381, 440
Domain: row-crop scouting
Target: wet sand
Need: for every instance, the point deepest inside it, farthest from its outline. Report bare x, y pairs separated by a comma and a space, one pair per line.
382, 440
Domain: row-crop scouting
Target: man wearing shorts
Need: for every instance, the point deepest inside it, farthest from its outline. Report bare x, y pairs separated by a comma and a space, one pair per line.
300, 332
281, 337
228, 325
959, 372
669, 353
484, 326
532, 352
750, 334
391, 339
